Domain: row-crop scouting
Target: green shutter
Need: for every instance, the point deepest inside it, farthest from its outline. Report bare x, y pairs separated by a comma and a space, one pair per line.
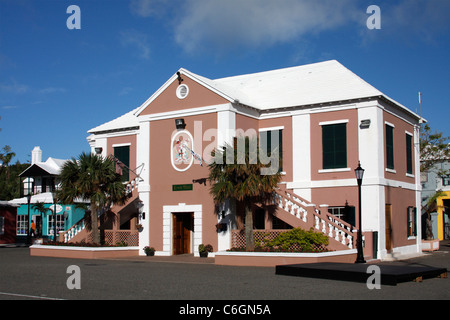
123, 155
334, 146
409, 162
389, 147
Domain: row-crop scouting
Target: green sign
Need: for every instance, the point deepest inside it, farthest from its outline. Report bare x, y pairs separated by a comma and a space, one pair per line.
181, 187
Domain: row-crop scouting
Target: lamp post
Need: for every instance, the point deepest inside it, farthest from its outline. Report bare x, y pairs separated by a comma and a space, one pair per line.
359, 172
54, 216
29, 222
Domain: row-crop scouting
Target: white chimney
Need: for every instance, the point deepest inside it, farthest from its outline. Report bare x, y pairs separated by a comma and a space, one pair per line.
36, 155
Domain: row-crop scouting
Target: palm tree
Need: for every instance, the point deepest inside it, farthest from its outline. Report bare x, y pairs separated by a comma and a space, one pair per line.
244, 179
93, 178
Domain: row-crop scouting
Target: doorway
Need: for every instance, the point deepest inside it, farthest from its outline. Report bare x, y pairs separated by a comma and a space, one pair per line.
388, 227
38, 223
182, 228
446, 217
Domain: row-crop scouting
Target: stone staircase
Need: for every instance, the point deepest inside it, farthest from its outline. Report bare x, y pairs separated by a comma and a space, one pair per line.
299, 212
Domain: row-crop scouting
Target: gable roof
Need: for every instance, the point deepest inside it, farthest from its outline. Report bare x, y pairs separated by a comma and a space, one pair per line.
51, 167
305, 85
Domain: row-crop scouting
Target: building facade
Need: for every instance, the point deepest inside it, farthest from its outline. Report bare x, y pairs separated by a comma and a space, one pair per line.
325, 119
39, 181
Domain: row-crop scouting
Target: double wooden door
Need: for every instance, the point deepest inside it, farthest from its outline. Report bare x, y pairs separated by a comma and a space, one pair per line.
182, 224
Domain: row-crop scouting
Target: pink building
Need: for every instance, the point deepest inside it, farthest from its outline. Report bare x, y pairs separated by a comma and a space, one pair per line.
326, 118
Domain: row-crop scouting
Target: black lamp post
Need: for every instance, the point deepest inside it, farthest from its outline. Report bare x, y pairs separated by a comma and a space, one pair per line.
29, 222
359, 177
54, 216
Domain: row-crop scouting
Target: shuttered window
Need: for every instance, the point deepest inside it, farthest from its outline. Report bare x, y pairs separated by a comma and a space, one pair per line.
123, 155
334, 146
409, 162
389, 147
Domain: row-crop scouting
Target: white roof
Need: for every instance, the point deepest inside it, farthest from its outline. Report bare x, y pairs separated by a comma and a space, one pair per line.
298, 86
316, 83
128, 120
51, 165
45, 197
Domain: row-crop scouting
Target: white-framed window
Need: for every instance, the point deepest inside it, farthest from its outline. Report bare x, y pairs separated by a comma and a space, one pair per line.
59, 223
182, 91
22, 225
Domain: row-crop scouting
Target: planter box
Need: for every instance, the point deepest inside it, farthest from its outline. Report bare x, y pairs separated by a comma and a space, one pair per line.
272, 259
83, 252
430, 245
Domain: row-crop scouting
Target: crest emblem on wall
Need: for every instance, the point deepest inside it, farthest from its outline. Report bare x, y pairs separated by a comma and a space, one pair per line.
182, 155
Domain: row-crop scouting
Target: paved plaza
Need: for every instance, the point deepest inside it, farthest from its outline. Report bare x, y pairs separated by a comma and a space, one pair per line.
189, 278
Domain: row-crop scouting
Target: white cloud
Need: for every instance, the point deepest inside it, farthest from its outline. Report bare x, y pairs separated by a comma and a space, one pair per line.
137, 40
52, 90
421, 20
14, 88
148, 8
256, 23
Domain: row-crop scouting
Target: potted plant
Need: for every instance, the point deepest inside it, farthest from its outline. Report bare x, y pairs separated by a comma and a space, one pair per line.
204, 249
139, 227
149, 251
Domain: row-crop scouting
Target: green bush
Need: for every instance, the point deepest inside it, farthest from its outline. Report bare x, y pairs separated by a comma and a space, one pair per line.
296, 240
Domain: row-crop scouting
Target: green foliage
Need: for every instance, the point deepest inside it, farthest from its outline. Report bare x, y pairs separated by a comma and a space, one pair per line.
205, 248
295, 240
9, 176
92, 177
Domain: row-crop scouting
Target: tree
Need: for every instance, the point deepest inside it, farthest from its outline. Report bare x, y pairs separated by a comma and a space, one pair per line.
93, 178
434, 149
9, 182
240, 172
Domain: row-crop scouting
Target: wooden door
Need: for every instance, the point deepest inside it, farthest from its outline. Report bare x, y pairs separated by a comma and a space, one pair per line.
182, 226
388, 226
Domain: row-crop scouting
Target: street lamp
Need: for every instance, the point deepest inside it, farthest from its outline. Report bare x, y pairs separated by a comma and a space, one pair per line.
359, 172
29, 222
54, 215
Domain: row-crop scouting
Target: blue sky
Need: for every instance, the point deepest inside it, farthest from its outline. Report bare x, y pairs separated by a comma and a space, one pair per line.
56, 83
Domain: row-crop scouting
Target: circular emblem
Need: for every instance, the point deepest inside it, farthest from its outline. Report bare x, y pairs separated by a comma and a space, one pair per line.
181, 150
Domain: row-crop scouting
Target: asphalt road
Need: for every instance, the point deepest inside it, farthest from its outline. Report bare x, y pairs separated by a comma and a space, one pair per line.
39, 278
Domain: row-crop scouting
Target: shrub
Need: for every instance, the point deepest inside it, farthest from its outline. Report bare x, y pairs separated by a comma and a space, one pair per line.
296, 240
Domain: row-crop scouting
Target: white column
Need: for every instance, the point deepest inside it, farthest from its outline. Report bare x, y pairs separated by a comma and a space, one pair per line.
301, 153
143, 157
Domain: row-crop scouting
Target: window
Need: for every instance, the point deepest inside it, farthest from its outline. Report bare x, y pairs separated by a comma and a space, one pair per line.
59, 224
182, 91
389, 147
22, 225
446, 181
346, 213
122, 153
409, 162
334, 146
2, 226
411, 214
268, 144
